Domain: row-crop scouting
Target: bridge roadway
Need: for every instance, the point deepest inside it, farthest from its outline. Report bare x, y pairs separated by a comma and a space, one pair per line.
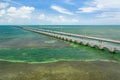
100, 43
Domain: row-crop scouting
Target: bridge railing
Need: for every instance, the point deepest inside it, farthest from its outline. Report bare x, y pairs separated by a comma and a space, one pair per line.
82, 36
98, 41
101, 43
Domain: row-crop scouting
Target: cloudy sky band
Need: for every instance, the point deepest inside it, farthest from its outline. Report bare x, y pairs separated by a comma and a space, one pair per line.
60, 12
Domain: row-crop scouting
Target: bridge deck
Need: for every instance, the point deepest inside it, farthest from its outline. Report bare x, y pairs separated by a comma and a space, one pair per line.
111, 45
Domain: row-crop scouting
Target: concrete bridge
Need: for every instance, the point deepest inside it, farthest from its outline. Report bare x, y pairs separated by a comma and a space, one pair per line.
112, 46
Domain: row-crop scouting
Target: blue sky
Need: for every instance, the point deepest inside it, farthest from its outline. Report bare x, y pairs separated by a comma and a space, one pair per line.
79, 12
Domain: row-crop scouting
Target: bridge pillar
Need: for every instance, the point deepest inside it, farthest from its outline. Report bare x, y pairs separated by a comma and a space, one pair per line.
100, 41
112, 50
100, 47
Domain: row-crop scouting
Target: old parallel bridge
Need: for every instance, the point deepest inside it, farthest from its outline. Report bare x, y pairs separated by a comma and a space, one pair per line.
112, 46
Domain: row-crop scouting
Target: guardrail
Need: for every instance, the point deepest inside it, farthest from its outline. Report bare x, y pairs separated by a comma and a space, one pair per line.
80, 39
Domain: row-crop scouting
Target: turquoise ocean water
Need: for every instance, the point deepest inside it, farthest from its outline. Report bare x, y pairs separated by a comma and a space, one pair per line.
17, 45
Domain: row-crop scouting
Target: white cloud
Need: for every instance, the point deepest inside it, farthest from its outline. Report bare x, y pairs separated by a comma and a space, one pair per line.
42, 17
3, 5
109, 15
27, 15
22, 12
2, 12
89, 9
108, 3
57, 19
100, 5
14, 15
60, 19
103, 21
11, 9
61, 10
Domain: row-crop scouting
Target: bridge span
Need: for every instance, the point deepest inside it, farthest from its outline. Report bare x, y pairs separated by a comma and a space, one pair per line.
112, 46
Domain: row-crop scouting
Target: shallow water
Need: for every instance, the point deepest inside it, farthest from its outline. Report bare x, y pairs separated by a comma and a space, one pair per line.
12, 37
25, 55
72, 70
17, 45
